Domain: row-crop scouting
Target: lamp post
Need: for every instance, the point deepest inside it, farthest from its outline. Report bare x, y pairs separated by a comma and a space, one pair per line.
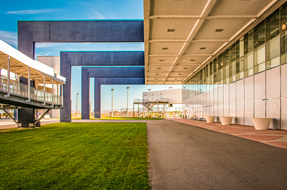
112, 101
77, 104
128, 87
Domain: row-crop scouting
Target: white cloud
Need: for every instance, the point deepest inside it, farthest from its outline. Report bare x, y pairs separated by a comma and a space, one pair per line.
22, 12
43, 45
96, 14
9, 37
43, 54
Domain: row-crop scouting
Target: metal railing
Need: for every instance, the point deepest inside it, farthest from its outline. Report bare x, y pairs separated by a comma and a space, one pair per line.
20, 89
152, 100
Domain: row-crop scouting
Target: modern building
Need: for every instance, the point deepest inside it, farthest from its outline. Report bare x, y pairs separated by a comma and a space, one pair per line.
231, 51
229, 55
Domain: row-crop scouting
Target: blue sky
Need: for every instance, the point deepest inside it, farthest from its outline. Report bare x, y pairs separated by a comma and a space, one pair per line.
12, 11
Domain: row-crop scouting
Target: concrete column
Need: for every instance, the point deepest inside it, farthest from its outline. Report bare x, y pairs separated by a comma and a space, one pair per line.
26, 116
97, 100
85, 94
66, 92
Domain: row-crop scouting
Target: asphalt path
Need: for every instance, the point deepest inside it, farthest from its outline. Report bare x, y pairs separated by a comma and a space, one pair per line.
187, 157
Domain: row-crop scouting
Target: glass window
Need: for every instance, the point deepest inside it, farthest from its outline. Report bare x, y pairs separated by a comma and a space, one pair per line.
283, 15
241, 47
240, 69
272, 25
232, 53
259, 59
248, 42
232, 71
273, 53
248, 64
259, 34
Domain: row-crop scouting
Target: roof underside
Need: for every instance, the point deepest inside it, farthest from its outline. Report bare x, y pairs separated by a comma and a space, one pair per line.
182, 35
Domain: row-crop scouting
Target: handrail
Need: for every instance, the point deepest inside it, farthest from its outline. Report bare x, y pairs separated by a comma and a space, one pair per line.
152, 100
20, 89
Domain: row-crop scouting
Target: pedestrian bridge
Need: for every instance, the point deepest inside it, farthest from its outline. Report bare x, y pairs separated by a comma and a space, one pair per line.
26, 83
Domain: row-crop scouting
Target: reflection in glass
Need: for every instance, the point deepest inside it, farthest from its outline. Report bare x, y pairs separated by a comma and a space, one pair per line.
259, 59
259, 34
272, 25
273, 53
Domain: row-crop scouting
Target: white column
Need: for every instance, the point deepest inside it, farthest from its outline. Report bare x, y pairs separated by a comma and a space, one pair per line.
44, 89
29, 86
57, 93
8, 76
62, 94
52, 92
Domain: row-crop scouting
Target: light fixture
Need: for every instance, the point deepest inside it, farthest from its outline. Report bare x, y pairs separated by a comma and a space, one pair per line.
170, 30
158, 68
192, 60
156, 74
161, 60
202, 48
179, 74
218, 30
184, 68
164, 48
283, 26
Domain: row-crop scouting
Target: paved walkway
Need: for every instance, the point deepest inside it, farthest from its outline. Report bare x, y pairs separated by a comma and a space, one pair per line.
188, 157
9, 124
272, 137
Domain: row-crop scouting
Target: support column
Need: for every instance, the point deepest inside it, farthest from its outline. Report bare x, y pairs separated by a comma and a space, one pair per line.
52, 92
8, 77
138, 110
29, 86
97, 100
44, 89
133, 109
26, 117
85, 95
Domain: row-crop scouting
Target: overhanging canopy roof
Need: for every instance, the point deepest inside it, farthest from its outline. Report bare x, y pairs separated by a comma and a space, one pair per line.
183, 35
19, 64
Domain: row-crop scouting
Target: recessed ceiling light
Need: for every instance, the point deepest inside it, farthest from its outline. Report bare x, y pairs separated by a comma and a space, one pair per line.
192, 60
161, 60
164, 48
184, 68
170, 30
158, 68
202, 48
218, 30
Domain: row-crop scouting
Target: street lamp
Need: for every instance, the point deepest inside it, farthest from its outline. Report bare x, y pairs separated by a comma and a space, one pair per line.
112, 101
128, 87
77, 104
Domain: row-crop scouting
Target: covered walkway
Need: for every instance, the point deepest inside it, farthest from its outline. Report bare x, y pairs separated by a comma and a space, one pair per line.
183, 156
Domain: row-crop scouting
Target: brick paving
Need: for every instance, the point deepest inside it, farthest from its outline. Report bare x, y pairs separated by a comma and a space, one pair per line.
275, 138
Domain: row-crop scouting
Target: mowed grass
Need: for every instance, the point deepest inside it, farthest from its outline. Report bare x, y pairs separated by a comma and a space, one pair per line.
75, 156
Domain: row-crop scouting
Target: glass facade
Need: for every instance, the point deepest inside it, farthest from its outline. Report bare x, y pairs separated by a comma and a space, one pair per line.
262, 48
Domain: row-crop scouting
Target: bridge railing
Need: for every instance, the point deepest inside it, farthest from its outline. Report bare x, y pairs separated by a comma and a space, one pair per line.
152, 100
20, 89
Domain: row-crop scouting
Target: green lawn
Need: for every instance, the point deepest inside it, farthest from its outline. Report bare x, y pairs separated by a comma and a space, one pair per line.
75, 156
